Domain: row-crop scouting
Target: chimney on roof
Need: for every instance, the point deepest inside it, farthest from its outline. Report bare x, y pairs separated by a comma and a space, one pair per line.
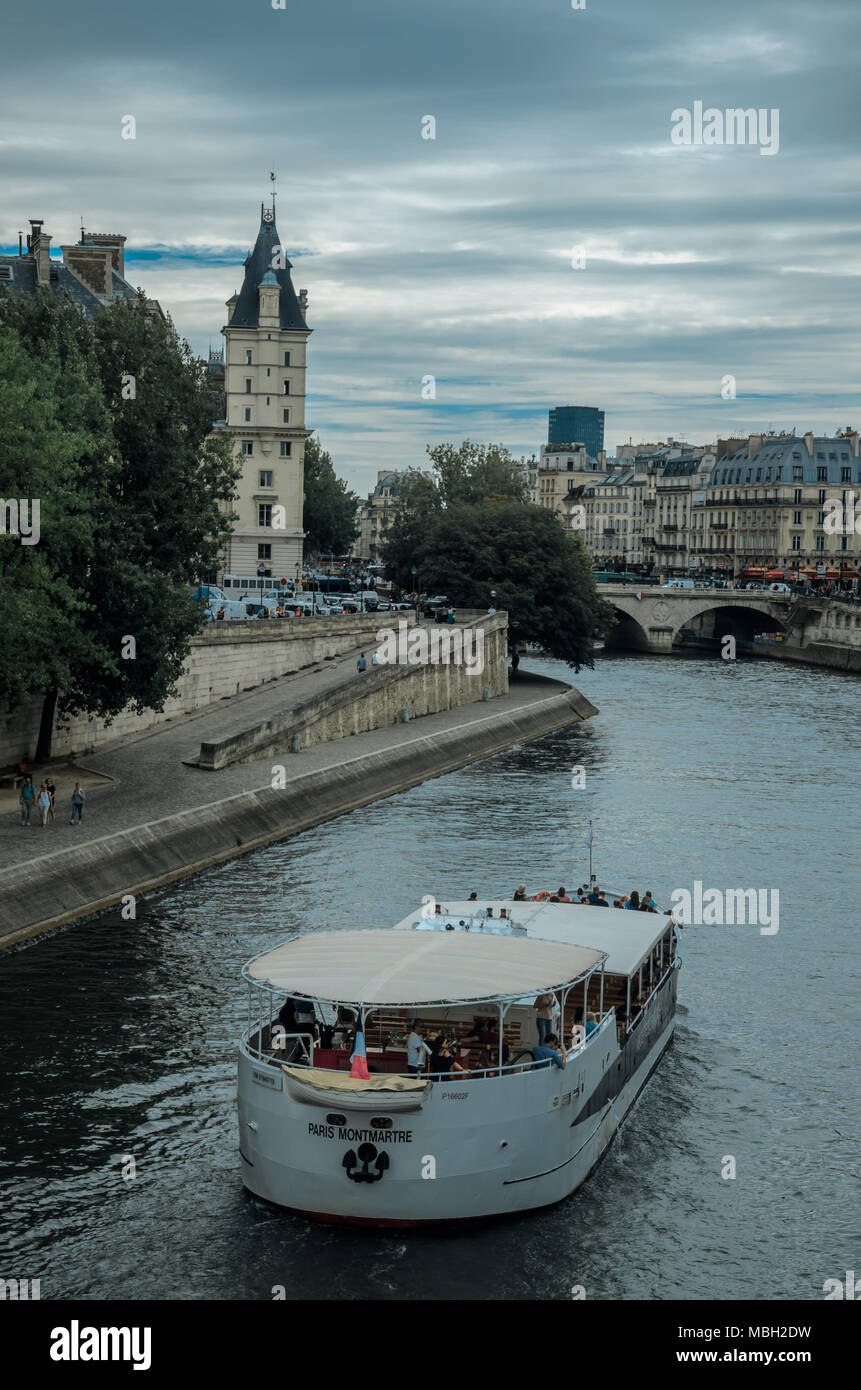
92, 265
40, 246
808, 439
115, 243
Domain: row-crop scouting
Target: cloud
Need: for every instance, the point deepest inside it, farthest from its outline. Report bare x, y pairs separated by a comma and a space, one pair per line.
452, 257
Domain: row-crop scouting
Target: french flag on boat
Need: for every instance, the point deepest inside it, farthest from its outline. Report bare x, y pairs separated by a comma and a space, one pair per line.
359, 1058
589, 836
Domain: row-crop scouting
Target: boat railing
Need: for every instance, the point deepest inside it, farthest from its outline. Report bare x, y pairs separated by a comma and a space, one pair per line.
632, 1022
525, 1062
270, 1054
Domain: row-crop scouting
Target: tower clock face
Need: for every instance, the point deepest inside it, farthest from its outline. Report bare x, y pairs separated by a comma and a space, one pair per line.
268, 215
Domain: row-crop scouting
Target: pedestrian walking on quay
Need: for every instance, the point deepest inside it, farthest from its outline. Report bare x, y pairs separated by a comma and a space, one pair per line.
27, 799
44, 804
51, 788
361, 664
77, 804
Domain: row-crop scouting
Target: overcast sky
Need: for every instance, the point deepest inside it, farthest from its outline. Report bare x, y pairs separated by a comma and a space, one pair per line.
453, 257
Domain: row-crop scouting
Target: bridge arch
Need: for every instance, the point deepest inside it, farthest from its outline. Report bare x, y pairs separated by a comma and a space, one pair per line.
651, 620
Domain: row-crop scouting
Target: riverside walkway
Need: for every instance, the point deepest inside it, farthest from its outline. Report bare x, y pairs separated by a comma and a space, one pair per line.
158, 818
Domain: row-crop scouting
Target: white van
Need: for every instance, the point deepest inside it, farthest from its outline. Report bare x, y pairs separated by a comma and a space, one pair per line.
679, 584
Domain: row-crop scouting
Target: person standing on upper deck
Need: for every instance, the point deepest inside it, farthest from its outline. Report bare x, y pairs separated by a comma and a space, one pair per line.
545, 1004
417, 1049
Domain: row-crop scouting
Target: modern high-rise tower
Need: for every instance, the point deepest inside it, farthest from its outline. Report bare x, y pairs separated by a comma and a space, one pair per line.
577, 424
264, 382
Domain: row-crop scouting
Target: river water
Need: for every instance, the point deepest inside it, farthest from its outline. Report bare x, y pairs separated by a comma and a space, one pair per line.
119, 1036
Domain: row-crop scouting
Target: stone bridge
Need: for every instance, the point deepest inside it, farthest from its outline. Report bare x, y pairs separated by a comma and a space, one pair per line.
650, 619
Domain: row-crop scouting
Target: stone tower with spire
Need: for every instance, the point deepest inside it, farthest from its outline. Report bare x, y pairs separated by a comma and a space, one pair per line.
264, 382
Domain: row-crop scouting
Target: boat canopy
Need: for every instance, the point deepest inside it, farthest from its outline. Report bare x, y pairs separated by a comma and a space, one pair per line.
419, 969
626, 938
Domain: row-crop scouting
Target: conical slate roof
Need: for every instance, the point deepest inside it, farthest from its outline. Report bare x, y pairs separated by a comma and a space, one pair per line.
257, 265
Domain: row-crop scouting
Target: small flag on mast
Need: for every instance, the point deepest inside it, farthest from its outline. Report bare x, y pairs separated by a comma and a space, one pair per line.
589, 836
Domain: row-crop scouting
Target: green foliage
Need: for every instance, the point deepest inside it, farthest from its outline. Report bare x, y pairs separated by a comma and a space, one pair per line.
468, 529
329, 515
55, 447
134, 495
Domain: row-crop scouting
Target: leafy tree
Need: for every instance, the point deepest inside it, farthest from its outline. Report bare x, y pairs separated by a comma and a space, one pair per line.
468, 474
112, 420
469, 530
329, 515
55, 452
477, 473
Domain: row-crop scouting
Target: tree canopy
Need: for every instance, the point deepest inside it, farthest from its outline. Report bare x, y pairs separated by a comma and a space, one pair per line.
329, 515
468, 530
108, 424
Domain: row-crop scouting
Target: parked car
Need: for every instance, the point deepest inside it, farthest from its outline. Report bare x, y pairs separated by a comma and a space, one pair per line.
438, 601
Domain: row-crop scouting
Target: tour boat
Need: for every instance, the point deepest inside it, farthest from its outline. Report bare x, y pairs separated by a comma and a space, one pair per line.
334, 1126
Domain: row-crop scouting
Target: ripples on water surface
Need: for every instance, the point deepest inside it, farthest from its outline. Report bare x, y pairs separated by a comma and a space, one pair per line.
119, 1037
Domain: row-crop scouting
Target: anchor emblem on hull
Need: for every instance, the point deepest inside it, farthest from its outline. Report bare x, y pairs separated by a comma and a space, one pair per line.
366, 1156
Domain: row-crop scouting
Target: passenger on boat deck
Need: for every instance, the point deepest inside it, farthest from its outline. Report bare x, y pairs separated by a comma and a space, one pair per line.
306, 1019
602, 901
417, 1050
542, 896
472, 897
520, 895
553, 898
546, 1006
621, 902
634, 901
287, 1016
441, 1059
483, 1031
562, 895
648, 903
591, 1023
460, 1057
548, 1053
593, 895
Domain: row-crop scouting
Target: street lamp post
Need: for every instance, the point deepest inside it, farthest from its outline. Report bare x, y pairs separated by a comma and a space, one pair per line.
414, 572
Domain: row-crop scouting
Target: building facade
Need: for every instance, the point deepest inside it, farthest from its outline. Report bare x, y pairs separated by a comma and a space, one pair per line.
563, 469
613, 506
766, 506
374, 514
264, 369
583, 423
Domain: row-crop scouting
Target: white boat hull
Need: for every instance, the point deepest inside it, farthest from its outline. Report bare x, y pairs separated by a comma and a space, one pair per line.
476, 1148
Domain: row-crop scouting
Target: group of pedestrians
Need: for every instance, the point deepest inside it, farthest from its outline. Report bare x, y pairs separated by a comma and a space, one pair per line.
44, 801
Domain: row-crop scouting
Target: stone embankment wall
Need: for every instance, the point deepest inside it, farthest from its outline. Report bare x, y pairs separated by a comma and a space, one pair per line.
381, 695
225, 659
89, 877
